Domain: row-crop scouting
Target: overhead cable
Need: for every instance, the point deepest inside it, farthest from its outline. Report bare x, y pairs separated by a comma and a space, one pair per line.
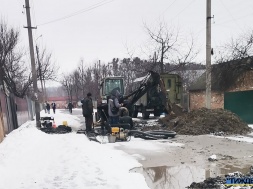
78, 12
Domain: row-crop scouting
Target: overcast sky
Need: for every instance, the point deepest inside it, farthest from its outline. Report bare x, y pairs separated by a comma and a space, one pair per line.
102, 29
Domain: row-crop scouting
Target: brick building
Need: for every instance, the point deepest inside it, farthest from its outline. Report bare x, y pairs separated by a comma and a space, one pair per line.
232, 88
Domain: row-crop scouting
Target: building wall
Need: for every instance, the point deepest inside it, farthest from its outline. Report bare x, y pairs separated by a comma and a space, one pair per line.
243, 83
197, 98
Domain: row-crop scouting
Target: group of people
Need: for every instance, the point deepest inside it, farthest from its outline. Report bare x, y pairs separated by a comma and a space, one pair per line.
117, 113
48, 107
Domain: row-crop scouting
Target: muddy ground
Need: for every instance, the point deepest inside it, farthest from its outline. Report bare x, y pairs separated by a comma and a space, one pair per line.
192, 159
179, 166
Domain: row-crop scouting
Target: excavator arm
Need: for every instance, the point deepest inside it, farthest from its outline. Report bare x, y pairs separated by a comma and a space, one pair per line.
151, 80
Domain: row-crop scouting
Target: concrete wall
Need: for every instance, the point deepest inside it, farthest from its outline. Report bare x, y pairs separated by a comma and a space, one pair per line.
197, 98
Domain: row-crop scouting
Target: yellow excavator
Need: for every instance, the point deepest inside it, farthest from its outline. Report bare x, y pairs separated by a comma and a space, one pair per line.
152, 94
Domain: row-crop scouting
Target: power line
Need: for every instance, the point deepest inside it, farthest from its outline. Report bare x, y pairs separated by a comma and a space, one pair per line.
79, 12
34, 16
167, 8
183, 9
230, 14
226, 21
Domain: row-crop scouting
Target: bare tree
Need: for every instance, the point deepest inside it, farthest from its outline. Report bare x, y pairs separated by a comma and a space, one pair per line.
47, 68
165, 40
13, 71
81, 72
15, 74
236, 49
67, 83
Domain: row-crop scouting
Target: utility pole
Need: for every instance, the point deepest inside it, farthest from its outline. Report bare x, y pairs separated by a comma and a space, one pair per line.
41, 83
154, 59
162, 57
45, 89
34, 75
208, 54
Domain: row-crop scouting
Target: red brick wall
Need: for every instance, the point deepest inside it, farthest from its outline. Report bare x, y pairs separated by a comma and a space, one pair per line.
243, 83
197, 98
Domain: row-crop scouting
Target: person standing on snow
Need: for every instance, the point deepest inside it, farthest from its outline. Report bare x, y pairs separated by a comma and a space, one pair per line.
53, 107
45, 106
87, 107
70, 106
113, 107
48, 108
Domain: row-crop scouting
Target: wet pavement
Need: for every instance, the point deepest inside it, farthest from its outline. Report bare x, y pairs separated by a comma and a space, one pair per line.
171, 177
182, 176
184, 159
177, 166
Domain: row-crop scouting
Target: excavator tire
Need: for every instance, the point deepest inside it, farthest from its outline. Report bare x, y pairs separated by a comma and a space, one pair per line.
145, 114
135, 114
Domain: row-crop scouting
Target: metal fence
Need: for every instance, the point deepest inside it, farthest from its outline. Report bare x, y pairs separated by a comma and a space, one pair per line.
14, 112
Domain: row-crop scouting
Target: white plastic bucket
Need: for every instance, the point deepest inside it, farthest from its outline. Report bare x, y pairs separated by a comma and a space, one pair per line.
111, 138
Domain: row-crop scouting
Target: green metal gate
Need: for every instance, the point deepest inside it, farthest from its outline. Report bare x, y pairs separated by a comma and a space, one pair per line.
240, 103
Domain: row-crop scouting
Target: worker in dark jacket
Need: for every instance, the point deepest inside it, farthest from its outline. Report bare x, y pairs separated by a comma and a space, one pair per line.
113, 103
87, 107
53, 106
70, 106
125, 118
48, 107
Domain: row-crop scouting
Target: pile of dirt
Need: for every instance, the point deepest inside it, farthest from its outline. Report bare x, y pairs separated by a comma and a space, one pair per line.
209, 183
206, 121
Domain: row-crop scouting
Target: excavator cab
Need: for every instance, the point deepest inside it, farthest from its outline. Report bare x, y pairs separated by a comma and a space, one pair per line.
109, 84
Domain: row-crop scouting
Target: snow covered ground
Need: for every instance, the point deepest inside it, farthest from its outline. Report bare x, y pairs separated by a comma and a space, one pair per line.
32, 159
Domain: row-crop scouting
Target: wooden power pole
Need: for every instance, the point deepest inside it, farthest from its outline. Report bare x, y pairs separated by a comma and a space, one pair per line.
34, 74
208, 54
41, 80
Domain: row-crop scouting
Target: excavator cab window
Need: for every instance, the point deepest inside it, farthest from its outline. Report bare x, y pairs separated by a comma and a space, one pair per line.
111, 84
169, 83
